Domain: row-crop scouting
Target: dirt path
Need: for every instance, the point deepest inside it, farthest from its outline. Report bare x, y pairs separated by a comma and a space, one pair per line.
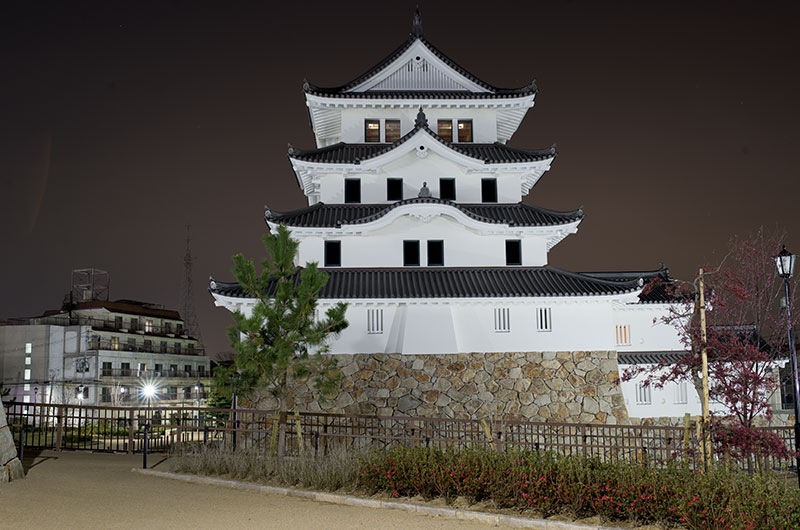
85, 490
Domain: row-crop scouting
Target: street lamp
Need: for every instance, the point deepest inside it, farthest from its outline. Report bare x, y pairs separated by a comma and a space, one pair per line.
785, 263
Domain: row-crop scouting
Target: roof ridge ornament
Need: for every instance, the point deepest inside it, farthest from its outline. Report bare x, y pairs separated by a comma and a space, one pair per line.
416, 25
422, 120
267, 213
292, 150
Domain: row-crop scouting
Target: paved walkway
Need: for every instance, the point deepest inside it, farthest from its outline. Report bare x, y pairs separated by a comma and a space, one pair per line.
85, 490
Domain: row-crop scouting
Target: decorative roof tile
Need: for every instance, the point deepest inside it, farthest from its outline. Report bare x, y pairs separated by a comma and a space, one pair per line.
337, 215
455, 282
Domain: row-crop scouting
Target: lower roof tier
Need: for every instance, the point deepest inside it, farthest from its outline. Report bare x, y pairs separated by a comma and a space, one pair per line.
335, 215
466, 282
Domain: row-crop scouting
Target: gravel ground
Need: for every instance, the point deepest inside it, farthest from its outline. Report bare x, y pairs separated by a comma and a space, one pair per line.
85, 490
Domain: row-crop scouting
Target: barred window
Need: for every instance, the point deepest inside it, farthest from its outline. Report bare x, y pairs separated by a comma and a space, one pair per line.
681, 393
375, 321
643, 396
623, 334
502, 320
372, 130
392, 130
444, 128
544, 319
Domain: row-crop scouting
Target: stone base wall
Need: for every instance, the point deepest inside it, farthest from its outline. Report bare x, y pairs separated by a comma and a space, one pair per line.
580, 386
10, 466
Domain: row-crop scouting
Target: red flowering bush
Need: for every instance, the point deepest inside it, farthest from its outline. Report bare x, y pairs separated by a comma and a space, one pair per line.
551, 484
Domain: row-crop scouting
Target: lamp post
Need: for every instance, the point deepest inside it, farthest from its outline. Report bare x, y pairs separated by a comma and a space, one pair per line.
785, 263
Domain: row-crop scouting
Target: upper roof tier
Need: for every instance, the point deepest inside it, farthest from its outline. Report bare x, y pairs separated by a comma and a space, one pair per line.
418, 69
415, 74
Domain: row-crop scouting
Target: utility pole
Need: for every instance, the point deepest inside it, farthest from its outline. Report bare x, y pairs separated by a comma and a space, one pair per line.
189, 315
706, 444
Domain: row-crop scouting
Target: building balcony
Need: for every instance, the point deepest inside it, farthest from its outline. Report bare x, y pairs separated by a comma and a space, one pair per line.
99, 324
100, 344
154, 374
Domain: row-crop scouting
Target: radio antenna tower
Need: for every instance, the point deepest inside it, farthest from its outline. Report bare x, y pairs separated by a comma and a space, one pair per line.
188, 312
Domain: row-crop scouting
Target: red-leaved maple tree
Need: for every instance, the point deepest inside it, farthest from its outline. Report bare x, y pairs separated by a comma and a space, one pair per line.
745, 336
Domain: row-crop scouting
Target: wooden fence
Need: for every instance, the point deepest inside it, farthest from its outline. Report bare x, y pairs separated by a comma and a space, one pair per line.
121, 429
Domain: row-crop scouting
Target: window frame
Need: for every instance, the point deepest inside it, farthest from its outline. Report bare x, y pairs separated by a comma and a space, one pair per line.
484, 199
386, 123
433, 242
367, 122
330, 244
544, 319
439, 124
471, 131
398, 196
406, 244
518, 243
352, 182
375, 321
502, 320
448, 180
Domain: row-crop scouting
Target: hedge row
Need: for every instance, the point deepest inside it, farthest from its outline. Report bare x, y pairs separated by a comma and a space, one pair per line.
551, 484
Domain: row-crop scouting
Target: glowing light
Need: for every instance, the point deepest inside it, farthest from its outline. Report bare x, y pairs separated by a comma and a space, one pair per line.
149, 390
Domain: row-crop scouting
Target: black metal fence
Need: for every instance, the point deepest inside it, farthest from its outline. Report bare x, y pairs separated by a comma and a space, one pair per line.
121, 429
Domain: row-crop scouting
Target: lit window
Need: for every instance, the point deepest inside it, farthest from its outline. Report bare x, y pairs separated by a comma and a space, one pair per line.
392, 130
544, 319
28, 360
623, 334
410, 253
488, 190
513, 252
643, 394
435, 253
502, 320
372, 130
464, 130
114, 343
27, 374
26, 387
333, 253
148, 326
375, 321
352, 190
394, 189
447, 189
28, 347
681, 393
26, 399
445, 130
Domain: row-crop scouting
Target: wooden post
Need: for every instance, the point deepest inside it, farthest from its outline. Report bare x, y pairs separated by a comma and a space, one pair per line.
488, 433
687, 423
274, 439
699, 427
300, 447
704, 440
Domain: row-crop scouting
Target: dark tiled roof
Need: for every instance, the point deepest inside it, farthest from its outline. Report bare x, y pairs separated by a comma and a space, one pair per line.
445, 282
659, 292
667, 357
336, 215
495, 153
489, 91
131, 307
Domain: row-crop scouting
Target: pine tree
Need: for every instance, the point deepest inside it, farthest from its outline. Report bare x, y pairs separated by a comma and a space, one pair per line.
282, 342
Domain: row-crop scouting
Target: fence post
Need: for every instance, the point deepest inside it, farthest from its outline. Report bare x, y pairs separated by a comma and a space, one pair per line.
59, 426
21, 450
299, 434
583, 440
130, 432
144, 451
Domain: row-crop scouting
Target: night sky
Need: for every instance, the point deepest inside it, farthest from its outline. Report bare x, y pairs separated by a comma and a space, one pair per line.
120, 123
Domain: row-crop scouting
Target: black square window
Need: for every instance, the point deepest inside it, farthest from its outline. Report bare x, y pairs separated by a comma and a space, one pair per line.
435, 253
447, 189
333, 253
394, 189
372, 130
411, 253
352, 190
513, 252
488, 190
